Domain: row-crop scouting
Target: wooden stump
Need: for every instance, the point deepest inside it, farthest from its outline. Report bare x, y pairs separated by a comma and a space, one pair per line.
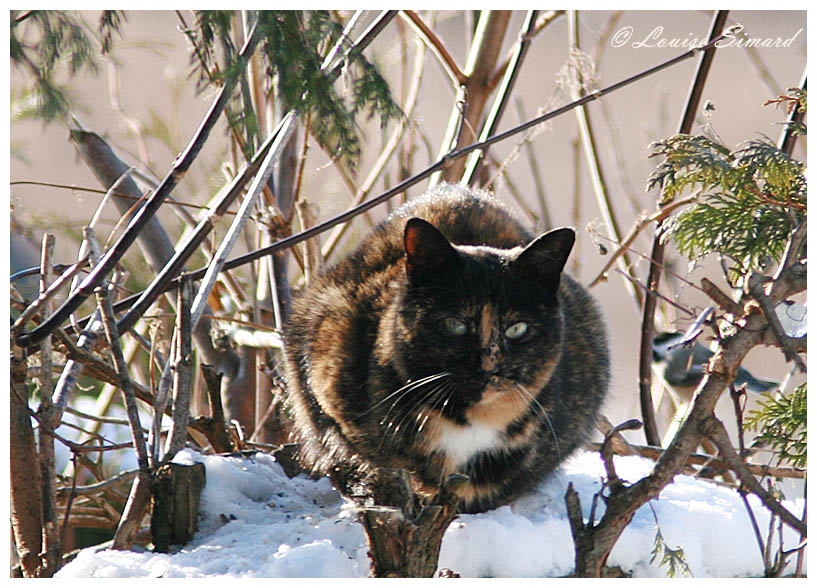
404, 538
176, 493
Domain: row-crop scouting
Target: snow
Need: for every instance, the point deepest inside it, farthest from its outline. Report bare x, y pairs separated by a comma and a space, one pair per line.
256, 522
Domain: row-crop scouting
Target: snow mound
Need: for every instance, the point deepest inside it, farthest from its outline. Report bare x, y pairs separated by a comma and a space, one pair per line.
256, 522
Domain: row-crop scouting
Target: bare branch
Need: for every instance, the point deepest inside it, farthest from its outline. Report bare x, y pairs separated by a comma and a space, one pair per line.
589, 146
125, 382
433, 42
657, 254
151, 206
472, 96
117, 480
24, 480
720, 298
183, 364
208, 281
437, 166
502, 96
755, 286
49, 293
714, 429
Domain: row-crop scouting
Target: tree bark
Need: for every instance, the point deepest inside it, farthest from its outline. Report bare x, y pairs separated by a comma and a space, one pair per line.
176, 494
26, 502
404, 538
464, 122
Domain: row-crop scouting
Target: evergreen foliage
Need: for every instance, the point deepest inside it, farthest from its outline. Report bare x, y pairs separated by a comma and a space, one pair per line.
45, 42
294, 45
748, 203
781, 422
748, 200
671, 558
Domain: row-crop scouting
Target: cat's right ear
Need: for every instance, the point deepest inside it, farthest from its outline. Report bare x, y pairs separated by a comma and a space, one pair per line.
545, 257
428, 252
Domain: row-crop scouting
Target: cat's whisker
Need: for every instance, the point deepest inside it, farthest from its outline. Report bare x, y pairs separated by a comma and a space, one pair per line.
445, 388
411, 409
428, 398
541, 409
400, 399
408, 387
404, 413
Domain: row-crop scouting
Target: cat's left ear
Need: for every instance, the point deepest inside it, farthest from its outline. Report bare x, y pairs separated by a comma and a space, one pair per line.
545, 257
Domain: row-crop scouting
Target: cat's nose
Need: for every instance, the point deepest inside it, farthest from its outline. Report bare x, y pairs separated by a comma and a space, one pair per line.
490, 359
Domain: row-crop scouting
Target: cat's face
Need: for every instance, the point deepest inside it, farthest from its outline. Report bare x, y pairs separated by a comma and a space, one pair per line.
485, 323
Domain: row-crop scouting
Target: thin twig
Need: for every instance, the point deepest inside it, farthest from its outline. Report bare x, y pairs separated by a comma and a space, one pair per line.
112, 335
641, 222
666, 299
334, 62
657, 254
755, 526
438, 165
75, 447
388, 150
182, 368
591, 158
502, 96
160, 402
49, 293
538, 183
789, 136
118, 479
432, 41
714, 429
710, 461
71, 496
99, 368
151, 206
86, 341
93, 417
258, 183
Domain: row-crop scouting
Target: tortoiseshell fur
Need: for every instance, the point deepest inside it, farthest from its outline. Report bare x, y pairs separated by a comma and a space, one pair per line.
381, 372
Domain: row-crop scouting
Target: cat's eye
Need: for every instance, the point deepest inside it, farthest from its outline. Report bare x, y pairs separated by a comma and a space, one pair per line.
516, 330
455, 326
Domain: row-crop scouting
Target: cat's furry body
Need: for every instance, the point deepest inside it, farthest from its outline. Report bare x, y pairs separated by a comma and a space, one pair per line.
475, 358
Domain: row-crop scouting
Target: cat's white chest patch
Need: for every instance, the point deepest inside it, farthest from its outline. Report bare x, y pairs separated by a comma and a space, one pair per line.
460, 444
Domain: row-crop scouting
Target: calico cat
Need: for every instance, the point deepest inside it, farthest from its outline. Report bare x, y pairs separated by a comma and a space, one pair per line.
449, 341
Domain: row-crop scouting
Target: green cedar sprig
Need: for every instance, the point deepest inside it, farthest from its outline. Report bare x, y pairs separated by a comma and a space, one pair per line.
294, 46
45, 42
781, 420
748, 199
